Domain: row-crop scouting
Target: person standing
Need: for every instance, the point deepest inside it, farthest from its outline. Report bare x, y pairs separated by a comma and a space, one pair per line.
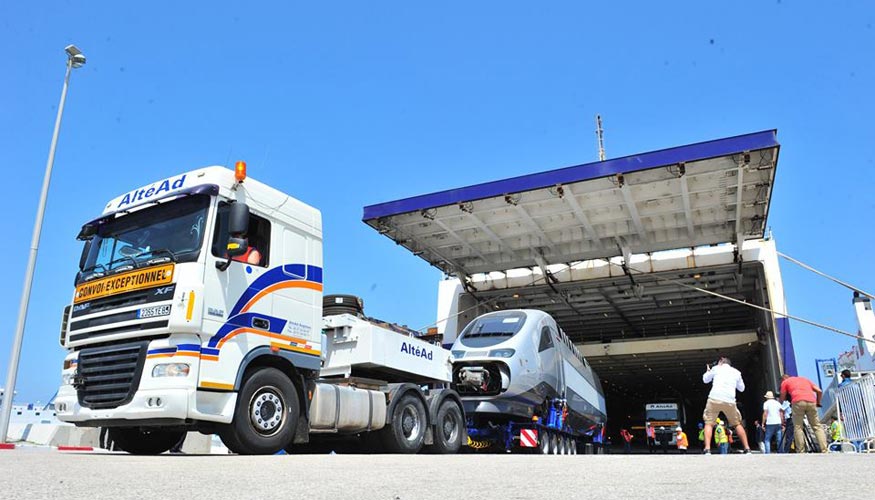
664, 438
846, 378
805, 397
724, 380
761, 434
702, 434
773, 420
682, 441
787, 431
721, 439
836, 430
627, 441
651, 437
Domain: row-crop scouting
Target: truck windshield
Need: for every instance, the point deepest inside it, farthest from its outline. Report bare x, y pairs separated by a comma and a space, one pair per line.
492, 329
170, 231
662, 414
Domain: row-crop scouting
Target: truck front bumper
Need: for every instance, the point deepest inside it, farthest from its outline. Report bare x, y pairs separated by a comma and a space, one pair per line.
147, 404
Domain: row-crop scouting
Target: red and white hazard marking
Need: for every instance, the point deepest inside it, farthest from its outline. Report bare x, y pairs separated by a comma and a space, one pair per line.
528, 438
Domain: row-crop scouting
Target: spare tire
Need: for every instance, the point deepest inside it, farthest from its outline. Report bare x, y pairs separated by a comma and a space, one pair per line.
342, 304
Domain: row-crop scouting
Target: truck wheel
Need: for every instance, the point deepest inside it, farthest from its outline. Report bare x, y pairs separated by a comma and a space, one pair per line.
266, 415
448, 428
144, 441
406, 429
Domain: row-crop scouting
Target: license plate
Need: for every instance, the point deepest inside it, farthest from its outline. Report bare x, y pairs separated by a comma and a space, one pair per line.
152, 312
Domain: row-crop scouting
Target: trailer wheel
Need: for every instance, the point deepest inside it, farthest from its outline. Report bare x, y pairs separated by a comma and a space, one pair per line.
448, 428
544, 442
266, 415
407, 425
144, 441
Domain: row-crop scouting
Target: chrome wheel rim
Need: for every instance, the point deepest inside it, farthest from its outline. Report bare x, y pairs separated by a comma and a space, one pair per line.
267, 411
410, 423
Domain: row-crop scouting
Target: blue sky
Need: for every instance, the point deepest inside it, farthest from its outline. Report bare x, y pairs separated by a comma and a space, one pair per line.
347, 104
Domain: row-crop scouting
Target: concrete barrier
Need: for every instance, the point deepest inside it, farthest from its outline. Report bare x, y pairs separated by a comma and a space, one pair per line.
68, 435
196, 444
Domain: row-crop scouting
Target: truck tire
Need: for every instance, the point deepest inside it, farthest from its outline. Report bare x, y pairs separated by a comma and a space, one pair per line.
448, 427
144, 441
406, 427
342, 304
266, 415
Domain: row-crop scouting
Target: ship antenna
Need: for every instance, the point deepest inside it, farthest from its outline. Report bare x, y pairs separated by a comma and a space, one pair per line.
601, 136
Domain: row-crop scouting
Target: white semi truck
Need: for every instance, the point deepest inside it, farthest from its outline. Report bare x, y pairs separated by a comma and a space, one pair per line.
198, 306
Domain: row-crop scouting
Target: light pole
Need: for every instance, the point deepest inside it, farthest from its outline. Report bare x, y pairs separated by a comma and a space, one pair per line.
75, 59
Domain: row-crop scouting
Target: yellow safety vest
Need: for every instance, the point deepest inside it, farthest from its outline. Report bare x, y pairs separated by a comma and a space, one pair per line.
835, 430
720, 436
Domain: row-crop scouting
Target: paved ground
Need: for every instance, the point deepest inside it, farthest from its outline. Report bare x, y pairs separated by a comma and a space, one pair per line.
42, 473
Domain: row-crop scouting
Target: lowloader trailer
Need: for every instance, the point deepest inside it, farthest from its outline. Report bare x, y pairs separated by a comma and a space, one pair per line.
198, 306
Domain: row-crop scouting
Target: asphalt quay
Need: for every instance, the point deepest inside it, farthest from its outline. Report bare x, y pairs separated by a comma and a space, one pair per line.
47, 473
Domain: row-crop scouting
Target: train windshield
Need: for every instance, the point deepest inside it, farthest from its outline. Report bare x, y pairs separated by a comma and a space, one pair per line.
487, 331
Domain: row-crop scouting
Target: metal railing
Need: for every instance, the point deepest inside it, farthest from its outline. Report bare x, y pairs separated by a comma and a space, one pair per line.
856, 407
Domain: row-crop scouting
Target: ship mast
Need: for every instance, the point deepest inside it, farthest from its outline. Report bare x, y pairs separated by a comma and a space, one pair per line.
601, 137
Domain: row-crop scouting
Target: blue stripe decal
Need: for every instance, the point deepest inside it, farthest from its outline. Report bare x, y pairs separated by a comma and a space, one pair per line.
785, 344
163, 350
289, 272
689, 153
280, 274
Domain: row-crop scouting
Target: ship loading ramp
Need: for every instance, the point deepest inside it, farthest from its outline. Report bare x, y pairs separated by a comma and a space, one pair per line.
621, 252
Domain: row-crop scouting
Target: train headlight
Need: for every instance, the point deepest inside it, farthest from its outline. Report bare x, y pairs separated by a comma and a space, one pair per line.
171, 370
501, 353
458, 354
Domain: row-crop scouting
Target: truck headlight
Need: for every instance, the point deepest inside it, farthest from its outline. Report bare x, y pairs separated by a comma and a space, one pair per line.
67, 378
501, 353
171, 370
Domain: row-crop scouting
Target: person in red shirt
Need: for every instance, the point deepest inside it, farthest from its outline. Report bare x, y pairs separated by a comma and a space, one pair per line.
805, 398
627, 440
251, 256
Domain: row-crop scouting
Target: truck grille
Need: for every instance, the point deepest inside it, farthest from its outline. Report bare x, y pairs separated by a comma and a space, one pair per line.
109, 376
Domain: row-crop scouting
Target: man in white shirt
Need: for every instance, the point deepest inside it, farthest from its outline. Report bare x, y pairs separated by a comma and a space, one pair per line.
724, 380
773, 419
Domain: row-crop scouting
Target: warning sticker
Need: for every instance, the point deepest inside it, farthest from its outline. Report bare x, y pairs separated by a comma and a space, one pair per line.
125, 282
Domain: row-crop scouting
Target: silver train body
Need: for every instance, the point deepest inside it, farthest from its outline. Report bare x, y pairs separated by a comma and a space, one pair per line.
508, 364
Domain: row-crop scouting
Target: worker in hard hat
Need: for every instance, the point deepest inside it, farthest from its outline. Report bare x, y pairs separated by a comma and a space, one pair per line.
682, 442
721, 439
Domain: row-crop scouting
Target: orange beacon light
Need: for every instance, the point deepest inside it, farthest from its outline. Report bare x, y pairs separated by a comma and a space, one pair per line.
240, 171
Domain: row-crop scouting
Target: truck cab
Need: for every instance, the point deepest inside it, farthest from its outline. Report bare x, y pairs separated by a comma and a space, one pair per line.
171, 311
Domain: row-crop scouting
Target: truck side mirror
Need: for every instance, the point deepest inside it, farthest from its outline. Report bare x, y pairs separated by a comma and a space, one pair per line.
238, 219
85, 251
237, 246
